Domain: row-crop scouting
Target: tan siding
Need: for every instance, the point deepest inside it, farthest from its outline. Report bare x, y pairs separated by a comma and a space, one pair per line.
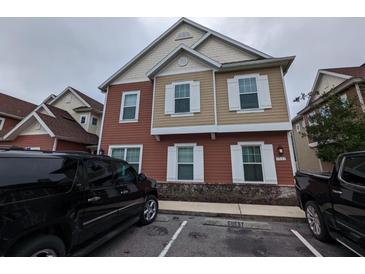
206, 115
278, 112
221, 51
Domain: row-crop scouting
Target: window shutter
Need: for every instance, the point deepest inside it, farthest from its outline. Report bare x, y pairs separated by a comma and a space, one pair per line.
233, 95
169, 99
237, 164
263, 91
198, 163
171, 164
268, 161
195, 96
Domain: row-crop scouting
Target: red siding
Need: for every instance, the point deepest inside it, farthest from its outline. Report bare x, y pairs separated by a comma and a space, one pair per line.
217, 155
44, 141
10, 123
70, 146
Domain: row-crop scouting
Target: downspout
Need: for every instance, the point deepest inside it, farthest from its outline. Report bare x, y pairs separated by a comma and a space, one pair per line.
215, 100
102, 119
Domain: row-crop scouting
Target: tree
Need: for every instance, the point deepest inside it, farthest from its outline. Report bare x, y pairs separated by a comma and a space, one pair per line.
337, 127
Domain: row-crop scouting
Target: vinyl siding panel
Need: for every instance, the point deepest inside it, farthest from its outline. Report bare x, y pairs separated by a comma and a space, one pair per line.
278, 112
223, 52
45, 142
206, 114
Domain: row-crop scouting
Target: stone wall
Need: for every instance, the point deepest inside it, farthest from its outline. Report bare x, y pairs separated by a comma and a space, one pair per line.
228, 193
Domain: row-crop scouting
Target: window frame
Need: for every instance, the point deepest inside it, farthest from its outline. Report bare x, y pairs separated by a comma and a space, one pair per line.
177, 161
111, 147
136, 115
310, 123
252, 163
92, 121
82, 116
2, 122
248, 76
179, 114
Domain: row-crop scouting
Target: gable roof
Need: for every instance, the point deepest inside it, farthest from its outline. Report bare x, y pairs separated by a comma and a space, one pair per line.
88, 101
14, 107
182, 48
208, 33
60, 125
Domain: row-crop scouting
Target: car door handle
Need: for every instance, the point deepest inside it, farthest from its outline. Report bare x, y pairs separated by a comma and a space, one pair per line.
93, 199
336, 191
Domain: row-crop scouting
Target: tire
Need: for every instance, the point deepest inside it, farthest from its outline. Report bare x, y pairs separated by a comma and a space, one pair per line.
316, 221
150, 211
41, 246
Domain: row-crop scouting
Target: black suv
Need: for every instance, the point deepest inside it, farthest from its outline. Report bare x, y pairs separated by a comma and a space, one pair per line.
57, 204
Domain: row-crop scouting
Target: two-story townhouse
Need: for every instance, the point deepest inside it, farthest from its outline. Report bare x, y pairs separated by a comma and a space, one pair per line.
12, 111
196, 109
69, 121
346, 82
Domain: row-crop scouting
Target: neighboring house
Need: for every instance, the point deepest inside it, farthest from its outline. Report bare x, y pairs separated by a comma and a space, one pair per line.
12, 111
198, 107
348, 82
69, 121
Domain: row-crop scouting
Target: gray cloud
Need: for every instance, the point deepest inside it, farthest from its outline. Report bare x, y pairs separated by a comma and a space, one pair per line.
39, 56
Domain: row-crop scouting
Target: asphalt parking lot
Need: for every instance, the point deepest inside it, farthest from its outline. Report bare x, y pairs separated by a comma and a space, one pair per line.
191, 236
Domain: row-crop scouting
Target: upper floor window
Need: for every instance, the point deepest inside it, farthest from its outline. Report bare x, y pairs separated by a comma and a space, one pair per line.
129, 107
2, 122
182, 98
311, 117
249, 93
94, 121
83, 119
344, 99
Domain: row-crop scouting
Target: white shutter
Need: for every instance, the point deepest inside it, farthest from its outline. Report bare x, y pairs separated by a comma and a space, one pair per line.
169, 99
171, 164
263, 91
198, 163
195, 96
233, 95
268, 160
237, 164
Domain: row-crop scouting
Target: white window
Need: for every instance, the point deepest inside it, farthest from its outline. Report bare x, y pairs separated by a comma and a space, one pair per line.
130, 153
182, 98
253, 162
247, 93
185, 162
2, 122
344, 99
129, 107
83, 119
311, 116
297, 127
94, 121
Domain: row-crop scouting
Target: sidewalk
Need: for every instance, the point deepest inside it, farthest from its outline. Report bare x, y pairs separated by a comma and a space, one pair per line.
247, 211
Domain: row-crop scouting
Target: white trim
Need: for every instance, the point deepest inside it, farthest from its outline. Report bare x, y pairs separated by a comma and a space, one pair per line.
182, 114
102, 120
215, 100
253, 110
140, 146
185, 71
43, 125
201, 40
253, 143
73, 92
43, 105
129, 81
55, 142
285, 93
185, 144
86, 119
314, 144
280, 126
153, 101
291, 153
125, 93
359, 95
2, 122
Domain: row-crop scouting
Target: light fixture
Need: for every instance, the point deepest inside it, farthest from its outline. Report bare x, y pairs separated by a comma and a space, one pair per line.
280, 150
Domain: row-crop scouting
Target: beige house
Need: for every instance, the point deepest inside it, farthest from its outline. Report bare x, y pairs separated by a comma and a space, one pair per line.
347, 82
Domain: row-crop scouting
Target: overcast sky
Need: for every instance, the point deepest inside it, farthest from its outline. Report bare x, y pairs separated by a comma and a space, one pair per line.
44, 55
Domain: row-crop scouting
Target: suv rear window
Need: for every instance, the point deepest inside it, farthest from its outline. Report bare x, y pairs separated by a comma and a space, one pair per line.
26, 178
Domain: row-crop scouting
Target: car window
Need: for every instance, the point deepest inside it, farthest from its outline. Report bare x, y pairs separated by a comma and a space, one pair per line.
124, 173
99, 173
25, 178
354, 170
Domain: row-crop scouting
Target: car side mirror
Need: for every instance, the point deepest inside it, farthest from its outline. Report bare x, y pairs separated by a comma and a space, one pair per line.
142, 177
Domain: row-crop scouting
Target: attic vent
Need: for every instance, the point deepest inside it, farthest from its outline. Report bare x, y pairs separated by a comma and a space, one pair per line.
183, 35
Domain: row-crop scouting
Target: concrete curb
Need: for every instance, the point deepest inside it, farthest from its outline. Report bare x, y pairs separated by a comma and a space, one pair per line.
234, 216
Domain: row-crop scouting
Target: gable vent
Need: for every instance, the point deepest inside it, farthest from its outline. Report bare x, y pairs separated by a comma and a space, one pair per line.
183, 35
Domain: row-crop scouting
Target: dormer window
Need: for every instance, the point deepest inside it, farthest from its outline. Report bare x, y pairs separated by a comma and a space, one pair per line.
94, 121
182, 98
83, 119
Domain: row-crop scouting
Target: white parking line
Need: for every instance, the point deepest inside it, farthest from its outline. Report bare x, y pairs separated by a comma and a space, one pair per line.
306, 243
167, 247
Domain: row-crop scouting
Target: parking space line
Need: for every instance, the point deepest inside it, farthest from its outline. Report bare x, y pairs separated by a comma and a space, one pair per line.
167, 247
306, 243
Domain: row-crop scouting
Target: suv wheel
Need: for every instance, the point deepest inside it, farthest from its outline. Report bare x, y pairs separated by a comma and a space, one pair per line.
315, 221
150, 210
42, 246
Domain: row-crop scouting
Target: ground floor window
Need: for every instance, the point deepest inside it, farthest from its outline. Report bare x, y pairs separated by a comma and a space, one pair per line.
252, 163
185, 163
130, 154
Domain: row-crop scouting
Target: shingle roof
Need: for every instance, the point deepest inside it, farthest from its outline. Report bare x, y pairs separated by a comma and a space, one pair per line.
14, 106
65, 127
350, 71
92, 102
